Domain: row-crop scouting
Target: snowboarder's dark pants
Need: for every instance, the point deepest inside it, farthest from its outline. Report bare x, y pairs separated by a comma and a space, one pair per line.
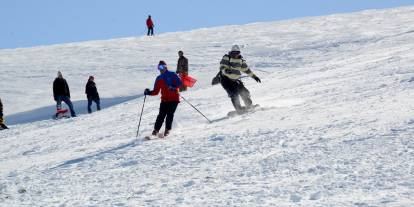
96, 100
65, 99
167, 109
150, 31
234, 89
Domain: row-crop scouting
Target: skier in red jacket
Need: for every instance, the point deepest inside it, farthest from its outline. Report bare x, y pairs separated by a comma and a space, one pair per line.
150, 26
168, 83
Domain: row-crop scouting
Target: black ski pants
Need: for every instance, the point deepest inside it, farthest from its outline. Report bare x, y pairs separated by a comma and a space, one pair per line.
96, 100
234, 89
167, 110
150, 31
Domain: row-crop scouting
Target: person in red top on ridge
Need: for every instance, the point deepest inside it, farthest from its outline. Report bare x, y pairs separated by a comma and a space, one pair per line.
150, 26
168, 83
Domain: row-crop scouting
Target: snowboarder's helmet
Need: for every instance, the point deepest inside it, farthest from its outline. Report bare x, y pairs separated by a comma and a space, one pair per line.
235, 48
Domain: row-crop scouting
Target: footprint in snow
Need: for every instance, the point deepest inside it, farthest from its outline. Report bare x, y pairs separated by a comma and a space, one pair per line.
295, 198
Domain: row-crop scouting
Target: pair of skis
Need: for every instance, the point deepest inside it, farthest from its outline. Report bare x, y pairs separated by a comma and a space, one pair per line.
152, 137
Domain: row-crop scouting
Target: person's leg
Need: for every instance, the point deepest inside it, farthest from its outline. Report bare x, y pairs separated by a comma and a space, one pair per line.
152, 31
58, 102
69, 103
172, 106
89, 105
161, 116
231, 88
245, 95
148, 33
98, 104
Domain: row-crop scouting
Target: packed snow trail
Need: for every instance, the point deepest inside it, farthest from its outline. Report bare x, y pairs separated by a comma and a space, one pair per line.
337, 129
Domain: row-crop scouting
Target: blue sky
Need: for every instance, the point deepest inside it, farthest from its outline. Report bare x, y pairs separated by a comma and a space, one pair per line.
26, 23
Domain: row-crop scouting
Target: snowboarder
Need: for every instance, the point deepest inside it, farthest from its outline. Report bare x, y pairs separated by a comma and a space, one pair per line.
231, 67
92, 94
2, 125
61, 93
150, 26
182, 68
168, 83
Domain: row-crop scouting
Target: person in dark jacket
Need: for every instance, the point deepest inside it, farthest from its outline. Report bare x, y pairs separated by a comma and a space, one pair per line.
92, 94
2, 125
150, 26
168, 83
61, 93
182, 68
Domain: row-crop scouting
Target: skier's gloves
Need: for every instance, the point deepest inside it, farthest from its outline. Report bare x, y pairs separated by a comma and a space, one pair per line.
147, 91
257, 79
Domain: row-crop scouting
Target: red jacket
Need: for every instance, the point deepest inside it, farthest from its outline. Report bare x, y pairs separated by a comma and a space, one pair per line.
168, 94
150, 23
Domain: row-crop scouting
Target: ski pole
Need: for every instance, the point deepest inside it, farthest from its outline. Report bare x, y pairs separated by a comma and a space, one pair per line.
196, 109
142, 110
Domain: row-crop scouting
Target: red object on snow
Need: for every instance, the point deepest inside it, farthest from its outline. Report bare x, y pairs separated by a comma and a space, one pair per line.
187, 80
61, 111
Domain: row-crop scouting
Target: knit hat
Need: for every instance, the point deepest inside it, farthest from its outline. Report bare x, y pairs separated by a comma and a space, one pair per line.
59, 74
162, 65
91, 78
235, 48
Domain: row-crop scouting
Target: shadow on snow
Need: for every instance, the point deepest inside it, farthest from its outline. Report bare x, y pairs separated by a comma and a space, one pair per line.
113, 150
47, 112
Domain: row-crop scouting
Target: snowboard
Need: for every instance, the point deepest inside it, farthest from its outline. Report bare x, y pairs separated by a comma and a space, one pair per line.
61, 113
246, 111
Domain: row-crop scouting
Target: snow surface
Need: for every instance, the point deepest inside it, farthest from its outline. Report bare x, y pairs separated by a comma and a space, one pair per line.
335, 128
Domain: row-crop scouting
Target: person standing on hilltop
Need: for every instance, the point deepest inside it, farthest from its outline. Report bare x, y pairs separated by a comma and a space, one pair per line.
150, 26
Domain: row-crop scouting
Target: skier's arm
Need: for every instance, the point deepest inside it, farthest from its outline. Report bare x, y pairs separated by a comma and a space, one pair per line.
157, 87
245, 69
178, 82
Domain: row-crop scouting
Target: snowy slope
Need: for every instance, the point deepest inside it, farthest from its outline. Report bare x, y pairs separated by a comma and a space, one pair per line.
335, 128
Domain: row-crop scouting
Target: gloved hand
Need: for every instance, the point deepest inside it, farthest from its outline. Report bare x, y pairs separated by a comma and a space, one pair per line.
147, 91
257, 79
